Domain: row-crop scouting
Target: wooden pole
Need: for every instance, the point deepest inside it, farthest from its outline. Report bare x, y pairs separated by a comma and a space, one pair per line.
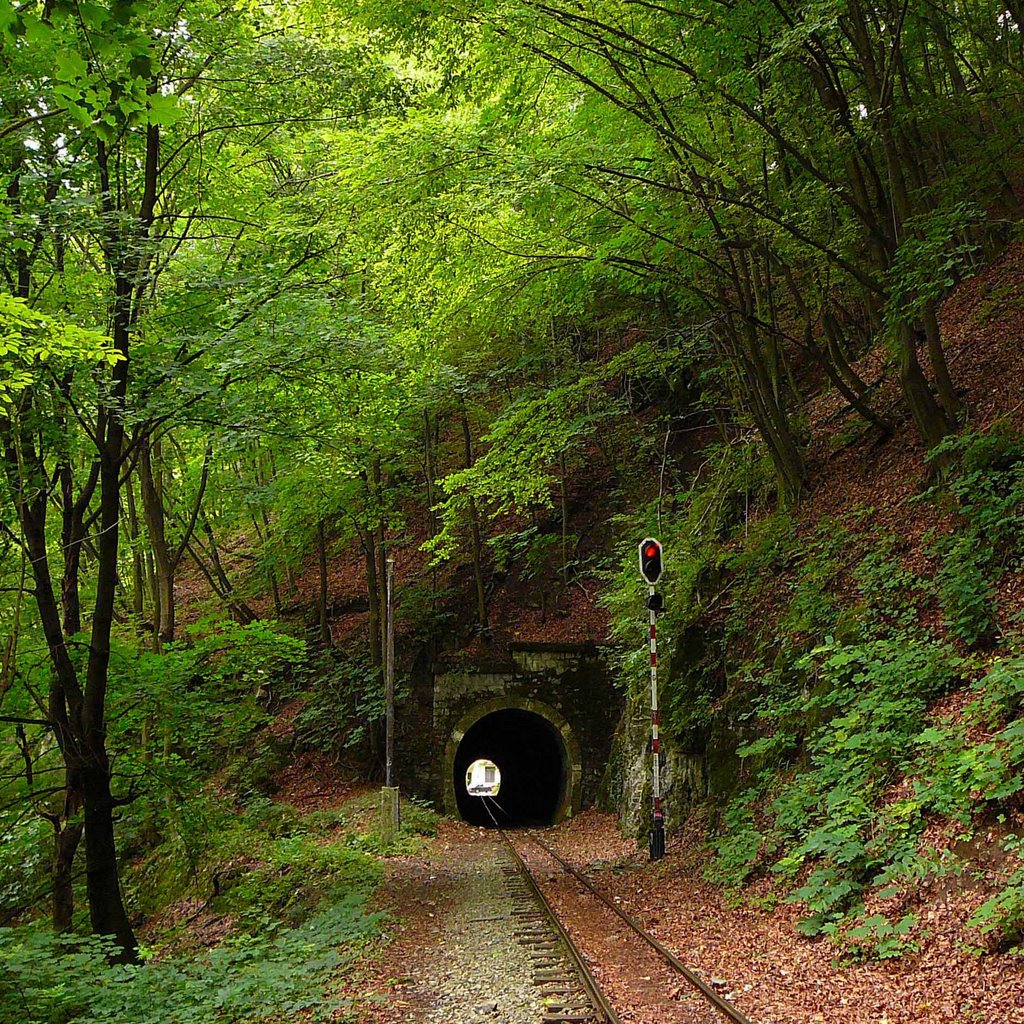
389, 679
389, 806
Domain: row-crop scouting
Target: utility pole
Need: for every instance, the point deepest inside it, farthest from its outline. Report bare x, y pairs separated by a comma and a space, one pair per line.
389, 676
651, 570
390, 815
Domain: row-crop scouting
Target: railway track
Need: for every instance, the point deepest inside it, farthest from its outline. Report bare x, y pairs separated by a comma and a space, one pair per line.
568, 989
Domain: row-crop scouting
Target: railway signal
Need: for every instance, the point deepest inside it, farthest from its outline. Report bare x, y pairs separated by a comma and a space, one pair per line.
651, 568
650, 560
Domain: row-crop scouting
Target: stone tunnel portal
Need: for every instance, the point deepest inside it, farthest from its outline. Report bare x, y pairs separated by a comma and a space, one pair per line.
539, 761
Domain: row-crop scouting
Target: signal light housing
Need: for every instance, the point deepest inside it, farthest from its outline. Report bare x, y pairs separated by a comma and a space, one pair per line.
650, 560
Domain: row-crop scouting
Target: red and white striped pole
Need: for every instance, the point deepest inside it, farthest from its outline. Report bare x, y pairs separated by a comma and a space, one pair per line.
657, 842
651, 569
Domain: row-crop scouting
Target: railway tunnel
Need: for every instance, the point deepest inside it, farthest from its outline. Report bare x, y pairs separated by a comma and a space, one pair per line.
546, 717
534, 763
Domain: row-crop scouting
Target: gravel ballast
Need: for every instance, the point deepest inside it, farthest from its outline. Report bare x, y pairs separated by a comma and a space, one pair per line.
479, 970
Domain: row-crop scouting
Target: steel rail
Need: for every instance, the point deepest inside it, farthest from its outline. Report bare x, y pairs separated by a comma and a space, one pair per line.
719, 1002
594, 993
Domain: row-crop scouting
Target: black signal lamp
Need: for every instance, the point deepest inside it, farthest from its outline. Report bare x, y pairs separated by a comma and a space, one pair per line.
650, 560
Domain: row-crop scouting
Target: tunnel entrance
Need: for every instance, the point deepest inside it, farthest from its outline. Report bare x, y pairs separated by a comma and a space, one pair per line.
534, 763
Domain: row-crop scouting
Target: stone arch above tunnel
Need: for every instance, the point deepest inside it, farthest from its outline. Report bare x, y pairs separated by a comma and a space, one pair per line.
571, 796
570, 684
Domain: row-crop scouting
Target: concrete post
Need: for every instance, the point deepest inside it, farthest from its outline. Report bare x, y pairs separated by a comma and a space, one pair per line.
390, 814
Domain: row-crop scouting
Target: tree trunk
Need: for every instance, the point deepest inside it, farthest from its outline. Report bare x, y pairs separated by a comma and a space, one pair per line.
931, 421
373, 589
218, 579
564, 496
474, 529
321, 549
275, 592
106, 906
940, 369
217, 576
72, 538
65, 845
379, 543
375, 622
138, 558
151, 487
430, 473
769, 416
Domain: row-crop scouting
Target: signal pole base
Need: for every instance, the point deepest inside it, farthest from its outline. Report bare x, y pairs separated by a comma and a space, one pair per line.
657, 841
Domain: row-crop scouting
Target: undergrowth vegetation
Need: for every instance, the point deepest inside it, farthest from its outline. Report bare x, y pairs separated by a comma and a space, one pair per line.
53, 980
254, 906
286, 896
832, 681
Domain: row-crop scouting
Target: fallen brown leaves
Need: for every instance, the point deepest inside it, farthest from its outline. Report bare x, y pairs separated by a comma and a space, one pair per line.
752, 954
313, 782
777, 976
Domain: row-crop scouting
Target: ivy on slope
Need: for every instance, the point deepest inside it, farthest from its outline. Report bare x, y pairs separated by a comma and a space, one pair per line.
851, 764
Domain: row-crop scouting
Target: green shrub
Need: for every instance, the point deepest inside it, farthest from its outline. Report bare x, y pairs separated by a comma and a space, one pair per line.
870, 700
1003, 914
345, 694
890, 593
985, 483
738, 846
965, 583
47, 980
878, 938
296, 875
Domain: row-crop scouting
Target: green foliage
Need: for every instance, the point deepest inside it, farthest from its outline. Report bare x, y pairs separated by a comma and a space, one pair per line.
202, 696
870, 699
833, 835
47, 980
344, 697
737, 850
296, 872
529, 443
986, 486
293, 889
937, 249
891, 594
531, 553
877, 937
954, 776
32, 342
697, 532
1003, 914
814, 605
27, 844
364, 223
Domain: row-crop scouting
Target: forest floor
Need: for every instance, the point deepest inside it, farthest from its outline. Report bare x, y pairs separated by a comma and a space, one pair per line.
747, 947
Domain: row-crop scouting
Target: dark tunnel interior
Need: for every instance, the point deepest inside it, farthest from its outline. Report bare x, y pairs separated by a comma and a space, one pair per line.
531, 757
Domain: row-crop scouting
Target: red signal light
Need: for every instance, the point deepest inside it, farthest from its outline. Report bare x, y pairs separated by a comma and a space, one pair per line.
650, 560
